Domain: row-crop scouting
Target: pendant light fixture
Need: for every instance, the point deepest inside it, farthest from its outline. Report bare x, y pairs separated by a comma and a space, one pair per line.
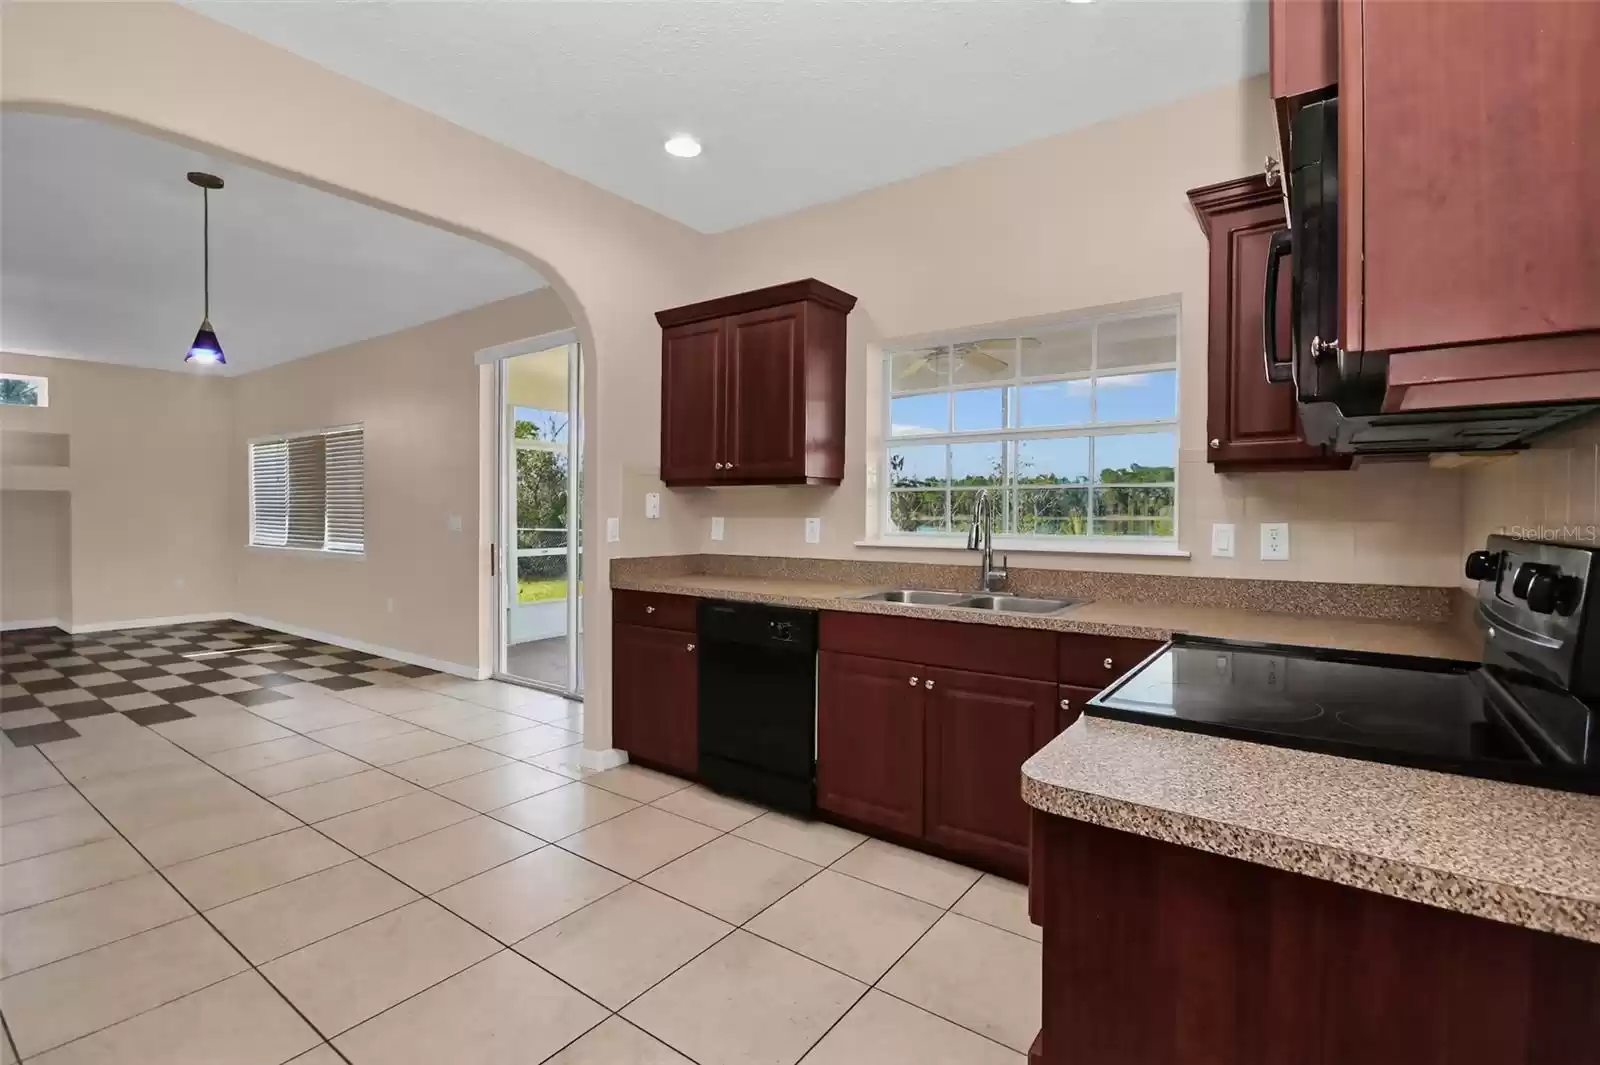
206, 348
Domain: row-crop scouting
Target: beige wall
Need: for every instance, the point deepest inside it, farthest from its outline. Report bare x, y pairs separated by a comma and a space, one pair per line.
148, 479
1549, 492
35, 557
417, 394
1085, 220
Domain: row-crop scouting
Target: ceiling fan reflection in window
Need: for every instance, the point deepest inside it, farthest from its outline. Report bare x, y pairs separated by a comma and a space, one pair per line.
985, 359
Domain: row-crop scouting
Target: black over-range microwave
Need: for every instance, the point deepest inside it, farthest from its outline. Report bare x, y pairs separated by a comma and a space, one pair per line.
1341, 392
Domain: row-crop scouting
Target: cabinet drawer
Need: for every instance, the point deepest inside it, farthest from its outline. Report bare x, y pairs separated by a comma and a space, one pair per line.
994, 649
1095, 661
655, 610
1069, 704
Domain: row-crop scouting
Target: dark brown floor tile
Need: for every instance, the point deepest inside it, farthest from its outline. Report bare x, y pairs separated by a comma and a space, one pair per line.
258, 697
32, 735
340, 684
155, 715
413, 671
91, 708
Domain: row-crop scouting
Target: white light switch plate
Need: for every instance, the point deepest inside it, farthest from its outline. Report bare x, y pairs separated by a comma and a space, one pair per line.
652, 504
1222, 540
453, 522
1274, 541
613, 530
813, 530
719, 528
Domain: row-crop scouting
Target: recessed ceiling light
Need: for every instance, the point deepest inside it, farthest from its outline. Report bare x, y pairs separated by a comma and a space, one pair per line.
683, 146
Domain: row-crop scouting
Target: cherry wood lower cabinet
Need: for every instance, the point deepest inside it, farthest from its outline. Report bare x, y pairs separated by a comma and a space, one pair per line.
980, 729
870, 737
1070, 700
1156, 953
655, 713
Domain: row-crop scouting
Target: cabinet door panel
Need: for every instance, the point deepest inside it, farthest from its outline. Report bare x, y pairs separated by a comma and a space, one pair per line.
655, 696
765, 394
1478, 173
1304, 50
870, 741
691, 411
980, 729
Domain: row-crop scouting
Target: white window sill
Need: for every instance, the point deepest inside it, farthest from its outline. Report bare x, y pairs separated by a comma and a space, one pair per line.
1029, 544
306, 552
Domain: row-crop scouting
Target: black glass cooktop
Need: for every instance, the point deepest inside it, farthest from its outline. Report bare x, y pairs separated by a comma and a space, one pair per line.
1433, 713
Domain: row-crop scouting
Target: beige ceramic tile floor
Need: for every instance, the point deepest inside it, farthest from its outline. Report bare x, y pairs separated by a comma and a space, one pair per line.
423, 872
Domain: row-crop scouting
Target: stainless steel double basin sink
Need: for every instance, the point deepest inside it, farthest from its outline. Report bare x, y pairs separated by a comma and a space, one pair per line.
994, 604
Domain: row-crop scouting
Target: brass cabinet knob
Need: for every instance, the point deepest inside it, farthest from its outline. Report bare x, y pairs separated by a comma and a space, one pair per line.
929, 685
649, 610
914, 681
1215, 443
1108, 663
719, 465
688, 647
1066, 704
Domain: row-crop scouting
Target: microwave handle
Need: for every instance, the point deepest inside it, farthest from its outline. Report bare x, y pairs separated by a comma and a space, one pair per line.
1278, 373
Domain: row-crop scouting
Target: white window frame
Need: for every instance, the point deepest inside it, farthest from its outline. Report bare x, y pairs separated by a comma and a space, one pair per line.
41, 384
250, 484
881, 532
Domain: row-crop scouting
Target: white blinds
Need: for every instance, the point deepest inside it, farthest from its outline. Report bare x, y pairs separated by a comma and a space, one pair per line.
344, 485
307, 491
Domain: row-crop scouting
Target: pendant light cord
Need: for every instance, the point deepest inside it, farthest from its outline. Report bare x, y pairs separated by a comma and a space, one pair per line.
205, 214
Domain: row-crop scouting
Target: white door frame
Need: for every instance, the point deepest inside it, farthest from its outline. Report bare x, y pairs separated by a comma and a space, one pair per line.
505, 505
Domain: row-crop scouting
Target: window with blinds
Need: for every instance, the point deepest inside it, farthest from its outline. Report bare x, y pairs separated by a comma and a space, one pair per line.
307, 491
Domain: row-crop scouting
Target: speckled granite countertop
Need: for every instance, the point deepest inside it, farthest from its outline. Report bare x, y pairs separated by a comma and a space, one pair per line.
1526, 856
1154, 621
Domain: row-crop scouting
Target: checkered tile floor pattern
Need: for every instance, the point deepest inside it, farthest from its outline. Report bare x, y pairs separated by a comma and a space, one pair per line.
50, 678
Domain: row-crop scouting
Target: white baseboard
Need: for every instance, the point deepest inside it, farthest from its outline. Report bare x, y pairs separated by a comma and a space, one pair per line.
145, 623
42, 623
457, 669
609, 758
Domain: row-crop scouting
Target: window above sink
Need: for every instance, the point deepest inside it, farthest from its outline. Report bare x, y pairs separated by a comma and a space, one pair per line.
1072, 428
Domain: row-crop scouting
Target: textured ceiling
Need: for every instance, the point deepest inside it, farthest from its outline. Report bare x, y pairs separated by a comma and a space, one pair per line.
101, 256
797, 103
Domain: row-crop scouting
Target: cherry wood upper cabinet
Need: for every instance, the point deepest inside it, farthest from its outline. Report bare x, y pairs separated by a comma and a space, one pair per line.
1251, 423
1469, 177
752, 387
691, 376
1304, 48
870, 723
656, 697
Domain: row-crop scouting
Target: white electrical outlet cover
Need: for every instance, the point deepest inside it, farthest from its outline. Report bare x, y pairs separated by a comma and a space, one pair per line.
813, 530
652, 504
718, 528
453, 523
1222, 540
613, 530
1275, 541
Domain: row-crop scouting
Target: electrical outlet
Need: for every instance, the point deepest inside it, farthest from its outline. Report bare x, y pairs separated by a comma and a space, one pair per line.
1274, 541
453, 523
652, 504
1222, 540
613, 530
719, 528
813, 530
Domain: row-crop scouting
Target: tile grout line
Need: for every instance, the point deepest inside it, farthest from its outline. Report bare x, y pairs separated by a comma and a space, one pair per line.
215, 930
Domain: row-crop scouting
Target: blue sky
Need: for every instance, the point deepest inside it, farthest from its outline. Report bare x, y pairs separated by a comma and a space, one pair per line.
1128, 397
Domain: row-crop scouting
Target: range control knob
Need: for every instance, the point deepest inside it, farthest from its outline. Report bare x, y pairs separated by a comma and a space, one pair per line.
1522, 583
1483, 565
1543, 592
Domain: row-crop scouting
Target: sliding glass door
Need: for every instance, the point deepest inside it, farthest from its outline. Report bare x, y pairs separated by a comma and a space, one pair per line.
541, 447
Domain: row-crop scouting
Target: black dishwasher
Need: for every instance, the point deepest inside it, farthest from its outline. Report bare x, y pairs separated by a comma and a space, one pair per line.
758, 703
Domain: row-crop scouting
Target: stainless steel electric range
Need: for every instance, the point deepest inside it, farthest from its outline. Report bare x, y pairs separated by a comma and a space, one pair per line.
1530, 712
